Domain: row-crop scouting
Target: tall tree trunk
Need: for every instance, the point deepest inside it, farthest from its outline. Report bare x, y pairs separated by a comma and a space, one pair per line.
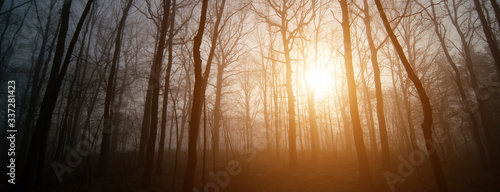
217, 108
64, 125
290, 96
458, 80
163, 126
276, 109
368, 114
35, 168
155, 77
110, 90
400, 119
177, 148
386, 157
496, 8
145, 125
426, 106
495, 51
364, 166
314, 125
348, 136
310, 92
265, 102
490, 38
194, 124
482, 106
36, 86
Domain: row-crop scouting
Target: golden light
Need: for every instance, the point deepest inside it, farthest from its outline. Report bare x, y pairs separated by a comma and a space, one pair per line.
318, 81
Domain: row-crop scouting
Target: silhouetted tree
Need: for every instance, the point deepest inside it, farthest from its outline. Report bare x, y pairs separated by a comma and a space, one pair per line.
287, 11
154, 76
34, 169
364, 166
426, 106
110, 92
198, 97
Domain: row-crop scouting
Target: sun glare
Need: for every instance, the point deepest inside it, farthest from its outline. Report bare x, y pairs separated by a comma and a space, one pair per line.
319, 81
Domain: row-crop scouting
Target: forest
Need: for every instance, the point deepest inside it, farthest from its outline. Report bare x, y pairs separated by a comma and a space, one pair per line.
250, 95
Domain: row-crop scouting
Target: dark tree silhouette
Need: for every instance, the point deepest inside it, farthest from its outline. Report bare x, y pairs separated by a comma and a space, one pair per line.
36, 158
286, 11
441, 34
155, 78
110, 92
166, 91
424, 99
488, 33
198, 94
364, 166
386, 158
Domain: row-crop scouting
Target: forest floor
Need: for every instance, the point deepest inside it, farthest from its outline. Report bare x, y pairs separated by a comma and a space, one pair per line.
262, 174
343, 176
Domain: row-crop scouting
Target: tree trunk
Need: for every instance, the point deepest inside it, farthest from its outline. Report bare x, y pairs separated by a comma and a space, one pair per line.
482, 108
368, 114
265, 102
496, 8
386, 157
290, 97
145, 125
276, 110
490, 38
36, 86
110, 90
458, 80
155, 77
35, 168
310, 101
163, 126
194, 124
364, 166
217, 108
426, 106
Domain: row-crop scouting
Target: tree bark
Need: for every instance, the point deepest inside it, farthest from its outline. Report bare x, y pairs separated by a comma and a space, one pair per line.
163, 126
155, 77
364, 166
310, 93
194, 124
217, 108
426, 106
482, 108
35, 168
458, 80
36, 86
496, 9
490, 39
386, 157
110, 89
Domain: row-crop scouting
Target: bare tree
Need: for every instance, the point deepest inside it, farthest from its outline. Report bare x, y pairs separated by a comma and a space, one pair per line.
490, 38
303, 11
364, 166
154, 77
166, 92
198, 97
105, 146
466, 35
426, 106
35, 167
229, 50
386, 159
441, 34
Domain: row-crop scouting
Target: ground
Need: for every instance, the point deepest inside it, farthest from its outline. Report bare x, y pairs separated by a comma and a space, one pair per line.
266, 174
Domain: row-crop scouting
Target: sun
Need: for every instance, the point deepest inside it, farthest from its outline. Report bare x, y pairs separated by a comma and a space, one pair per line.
318, 81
